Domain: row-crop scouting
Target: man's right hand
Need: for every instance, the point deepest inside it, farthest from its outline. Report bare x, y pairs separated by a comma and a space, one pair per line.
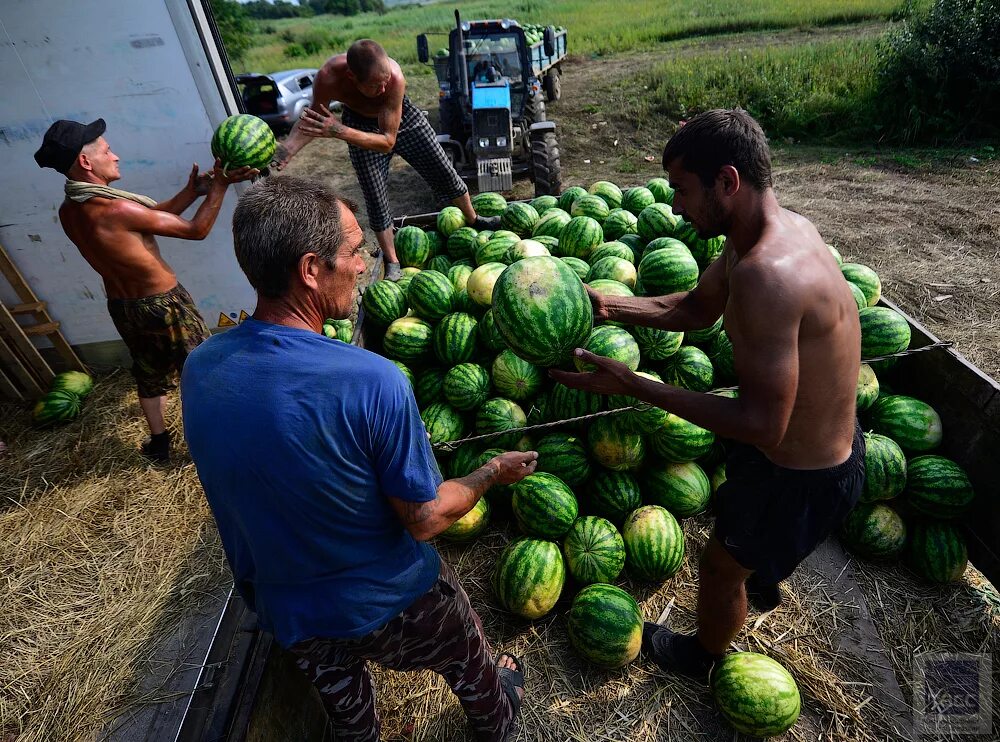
514, 466
225, 178
600, 304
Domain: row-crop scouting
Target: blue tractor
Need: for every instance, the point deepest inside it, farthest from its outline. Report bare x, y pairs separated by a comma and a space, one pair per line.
491, 79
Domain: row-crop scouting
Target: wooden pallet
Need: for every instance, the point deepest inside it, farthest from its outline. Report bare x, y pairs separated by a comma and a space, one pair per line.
24, 373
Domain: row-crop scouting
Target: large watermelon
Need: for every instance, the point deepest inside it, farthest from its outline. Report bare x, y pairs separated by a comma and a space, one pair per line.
679, 440
868, 387
443, 422
885, 468
384, 302
541, 204
661, 190
566, 402
428, 386
430, 295
56, 406
455, 338
657, 220
883, 331
619, 223
580, 267
489, 204
613, 249
551, 224
408, 339
613, 268
243, 140
515, 378
873, 530
913, 424
482, 281
937, 487
79, 383
681, 488
412, 246
605, 626
544, 506
449, 219
720, 351
529, 577
519, 218
634, 200
496, 250
612, 495
579, 237
610, 342
614, 447
666, 271
466, 386
489, 336
497, 415
471, 525
937, 551
654, 544
608, 191
689, 368
569, 196
647, 418
608, 287
756, 694
593, 206
865, 279
563, 455
656, 344
463, 243
542, 310
526, 249
595, 551
704, 337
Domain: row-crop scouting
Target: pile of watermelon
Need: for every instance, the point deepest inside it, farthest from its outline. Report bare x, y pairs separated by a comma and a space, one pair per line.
64, 399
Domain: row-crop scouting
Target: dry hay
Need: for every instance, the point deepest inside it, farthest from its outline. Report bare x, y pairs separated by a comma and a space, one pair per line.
99, 555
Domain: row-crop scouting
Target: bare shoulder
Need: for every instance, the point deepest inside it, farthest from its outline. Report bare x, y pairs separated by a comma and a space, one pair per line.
332, 70
398, 78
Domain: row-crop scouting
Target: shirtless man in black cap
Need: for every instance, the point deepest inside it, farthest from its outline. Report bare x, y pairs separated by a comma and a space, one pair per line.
116, 232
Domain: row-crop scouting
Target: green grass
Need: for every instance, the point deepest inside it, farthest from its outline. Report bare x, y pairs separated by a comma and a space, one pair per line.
595, 28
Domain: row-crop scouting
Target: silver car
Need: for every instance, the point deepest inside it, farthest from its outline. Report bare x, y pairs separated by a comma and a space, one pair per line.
279, 97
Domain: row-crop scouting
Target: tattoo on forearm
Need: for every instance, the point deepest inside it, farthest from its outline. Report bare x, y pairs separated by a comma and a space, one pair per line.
418, 512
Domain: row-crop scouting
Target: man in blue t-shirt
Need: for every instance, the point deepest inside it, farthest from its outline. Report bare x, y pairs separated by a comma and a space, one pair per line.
322, 481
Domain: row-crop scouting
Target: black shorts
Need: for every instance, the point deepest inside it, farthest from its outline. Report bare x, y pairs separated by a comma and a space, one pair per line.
770, 518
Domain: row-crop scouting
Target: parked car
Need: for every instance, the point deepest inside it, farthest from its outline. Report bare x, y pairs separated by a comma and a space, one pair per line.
279, 97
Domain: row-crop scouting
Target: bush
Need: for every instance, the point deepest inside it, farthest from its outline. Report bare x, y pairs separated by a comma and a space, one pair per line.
293, 51
940, 73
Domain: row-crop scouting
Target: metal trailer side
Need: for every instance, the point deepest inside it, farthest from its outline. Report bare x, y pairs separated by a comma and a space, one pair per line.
541, 63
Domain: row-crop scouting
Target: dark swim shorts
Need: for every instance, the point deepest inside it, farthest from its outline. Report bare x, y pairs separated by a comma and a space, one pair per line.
770, 518
160, 331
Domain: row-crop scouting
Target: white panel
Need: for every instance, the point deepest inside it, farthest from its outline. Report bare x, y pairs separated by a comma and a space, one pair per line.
121, 60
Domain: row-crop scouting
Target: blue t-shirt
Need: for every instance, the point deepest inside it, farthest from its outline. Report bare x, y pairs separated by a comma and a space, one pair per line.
299, 440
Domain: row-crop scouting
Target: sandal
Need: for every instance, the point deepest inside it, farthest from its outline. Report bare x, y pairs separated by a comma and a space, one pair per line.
510, 681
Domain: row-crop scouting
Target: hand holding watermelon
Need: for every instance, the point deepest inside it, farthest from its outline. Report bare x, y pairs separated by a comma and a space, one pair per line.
223, 178
197, 183
600, 304
609, 377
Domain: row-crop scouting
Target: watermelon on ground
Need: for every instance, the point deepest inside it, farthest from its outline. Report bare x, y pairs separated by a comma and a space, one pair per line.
885, 468
937, 551
498, 415
667, 270
443, 422
610, 342
544, 505
80, 383
654, 544
937, 487
564, 455
56, 406
756, 694
689, 368
681, 488
471, 525
679, 440
566, 402
605, 626
614, 447
656, 344
529, 577
614, 268
595, 551
647, 418
612, 495
873, 530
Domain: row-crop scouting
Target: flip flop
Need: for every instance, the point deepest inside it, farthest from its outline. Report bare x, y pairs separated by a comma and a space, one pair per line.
510, 681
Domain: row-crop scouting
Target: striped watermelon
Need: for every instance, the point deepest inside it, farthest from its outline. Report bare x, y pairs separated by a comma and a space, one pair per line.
466, 386
538, 412
608, 287
437, 242
243, 141
563, 455
496, 250
647, 418
656, 344
657, 220
937, 551
594, 550
482, 281
566, 402
82, 384
605, 626
443, 422
439, 263
666, 271
580, 267
718, 477
608, 191
465, 460
489, 204
497, 415
515, 378
55, 406
568, 197
430, 295
580, 236
868, 388
689, 368
529, 577
412, 247
549, 243
610, 342
551, 223
612, 495
635, 242
914, 425
471, 525
544, 506
706, 251
679, 440
885, 468
542, 310
756, 694
704, 337
613, 249
634, 200
428, 386
462, 243
519, 218
405, 370
681, 488
873, 530
384, 302
619, 223
938, 487
835, 253
489, 335
883, 331
859, 296
720, 351
615, 269
614, 447
661, 190
865, 279
526, 249
654, 544
408, 339
449, 219
593, 206
455, 338
541, 204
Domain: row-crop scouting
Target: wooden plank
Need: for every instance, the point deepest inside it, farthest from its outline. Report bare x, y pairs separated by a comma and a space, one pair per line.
15, 279
34, 306
12, 364
47, 328
18, 340
7, 388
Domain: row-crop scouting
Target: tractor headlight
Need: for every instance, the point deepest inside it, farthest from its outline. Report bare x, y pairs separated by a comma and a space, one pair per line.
501, 141
484, 142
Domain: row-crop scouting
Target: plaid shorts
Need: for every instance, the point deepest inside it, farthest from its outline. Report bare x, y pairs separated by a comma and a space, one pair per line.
159, 331
416, 143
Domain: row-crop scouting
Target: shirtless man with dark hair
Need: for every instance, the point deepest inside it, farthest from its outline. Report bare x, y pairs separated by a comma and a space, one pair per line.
797, 466
116, 232
378, 122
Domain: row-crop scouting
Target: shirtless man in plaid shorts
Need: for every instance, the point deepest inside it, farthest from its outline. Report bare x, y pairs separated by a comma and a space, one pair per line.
378, 122
116, 232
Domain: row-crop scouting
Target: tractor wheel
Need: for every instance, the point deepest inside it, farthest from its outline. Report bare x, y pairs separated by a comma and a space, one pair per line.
534, 109
553, 85
545, 168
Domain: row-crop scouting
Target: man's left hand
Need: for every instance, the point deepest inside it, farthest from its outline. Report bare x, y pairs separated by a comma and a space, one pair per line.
197, 183
319, 122
608, 377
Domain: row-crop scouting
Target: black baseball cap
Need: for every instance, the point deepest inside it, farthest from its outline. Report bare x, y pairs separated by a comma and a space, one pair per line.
63, 142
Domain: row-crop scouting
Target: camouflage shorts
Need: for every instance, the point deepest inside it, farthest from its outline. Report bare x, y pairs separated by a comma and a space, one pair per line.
159, 331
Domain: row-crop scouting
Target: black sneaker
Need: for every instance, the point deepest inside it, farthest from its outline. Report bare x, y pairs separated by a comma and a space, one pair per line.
763, 596
157, 449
